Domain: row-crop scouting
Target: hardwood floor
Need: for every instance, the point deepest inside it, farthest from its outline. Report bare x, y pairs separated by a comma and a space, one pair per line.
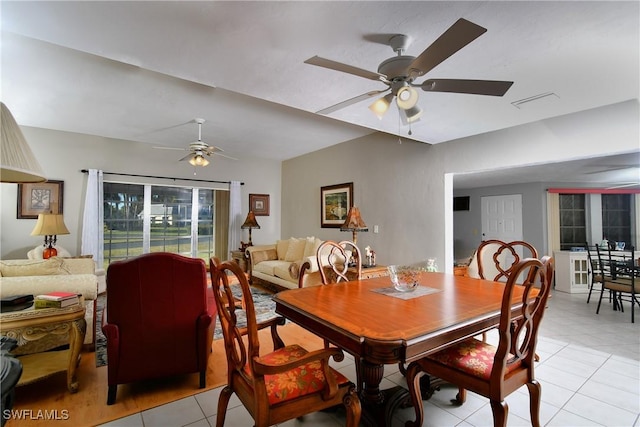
39, 402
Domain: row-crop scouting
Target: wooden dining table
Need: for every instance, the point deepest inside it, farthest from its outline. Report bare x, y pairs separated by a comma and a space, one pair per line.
379, 326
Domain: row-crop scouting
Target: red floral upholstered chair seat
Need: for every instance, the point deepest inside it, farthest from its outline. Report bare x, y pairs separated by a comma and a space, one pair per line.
281, 385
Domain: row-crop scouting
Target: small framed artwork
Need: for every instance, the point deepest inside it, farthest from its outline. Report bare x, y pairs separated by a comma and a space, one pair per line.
41, 197
259, 204
335, 202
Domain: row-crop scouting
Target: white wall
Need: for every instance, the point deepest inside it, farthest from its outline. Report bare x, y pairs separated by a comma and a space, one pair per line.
401, 187
62, 156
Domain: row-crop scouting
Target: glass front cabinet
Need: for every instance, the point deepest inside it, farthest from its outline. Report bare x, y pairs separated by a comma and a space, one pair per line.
573, 274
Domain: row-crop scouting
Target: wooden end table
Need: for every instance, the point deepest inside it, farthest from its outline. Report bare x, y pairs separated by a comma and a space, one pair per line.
37, 331
368, 272
240, 257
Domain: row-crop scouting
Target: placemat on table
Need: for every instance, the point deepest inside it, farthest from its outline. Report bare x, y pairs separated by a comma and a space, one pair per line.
418, 292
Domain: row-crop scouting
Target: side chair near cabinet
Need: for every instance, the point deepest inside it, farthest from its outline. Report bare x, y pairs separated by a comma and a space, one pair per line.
274, 387
620, 276
495, 372
157, 319
595, 268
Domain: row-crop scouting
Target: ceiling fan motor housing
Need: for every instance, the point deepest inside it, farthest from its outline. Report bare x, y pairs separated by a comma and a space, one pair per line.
396, 68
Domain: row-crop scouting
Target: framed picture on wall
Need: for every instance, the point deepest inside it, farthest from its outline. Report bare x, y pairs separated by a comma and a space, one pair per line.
335, 202
259, 204
41, 197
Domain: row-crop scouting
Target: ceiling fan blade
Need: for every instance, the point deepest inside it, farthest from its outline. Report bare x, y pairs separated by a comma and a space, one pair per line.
223, 155
475, 87
339, 66
460, 34
187, 157
170, 148
351, 101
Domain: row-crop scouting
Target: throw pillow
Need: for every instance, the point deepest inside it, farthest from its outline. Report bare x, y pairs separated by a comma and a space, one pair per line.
267, 255
47, 267
311, 246
295, 251
281, 247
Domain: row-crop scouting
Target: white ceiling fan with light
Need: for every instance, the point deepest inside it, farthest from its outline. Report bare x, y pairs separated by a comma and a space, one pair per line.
400, 72
199, 149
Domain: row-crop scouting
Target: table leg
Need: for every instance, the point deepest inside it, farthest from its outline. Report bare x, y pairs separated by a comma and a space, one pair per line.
378, 405
76, 338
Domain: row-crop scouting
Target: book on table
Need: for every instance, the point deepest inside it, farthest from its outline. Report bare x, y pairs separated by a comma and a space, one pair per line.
56, 300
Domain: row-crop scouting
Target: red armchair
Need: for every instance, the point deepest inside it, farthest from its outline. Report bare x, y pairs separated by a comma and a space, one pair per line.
158, 319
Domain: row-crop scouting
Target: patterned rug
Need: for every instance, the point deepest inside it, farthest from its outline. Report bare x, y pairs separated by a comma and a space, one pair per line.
262, 299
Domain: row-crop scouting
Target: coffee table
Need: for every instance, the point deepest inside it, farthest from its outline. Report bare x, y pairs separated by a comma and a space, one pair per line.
38, 331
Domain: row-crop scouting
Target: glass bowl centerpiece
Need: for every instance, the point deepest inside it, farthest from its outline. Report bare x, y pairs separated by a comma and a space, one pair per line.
406, 278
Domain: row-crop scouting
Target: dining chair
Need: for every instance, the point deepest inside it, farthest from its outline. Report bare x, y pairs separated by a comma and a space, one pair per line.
619, 274
595, 267
495, 371
334, 260
494, 259
276, 386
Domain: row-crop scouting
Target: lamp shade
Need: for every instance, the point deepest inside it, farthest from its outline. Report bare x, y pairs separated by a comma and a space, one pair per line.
18, 164
354, 221
199, 160
250, 222
49, 225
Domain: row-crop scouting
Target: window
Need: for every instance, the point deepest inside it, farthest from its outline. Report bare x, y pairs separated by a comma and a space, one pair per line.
573, 230
144, 218
616, 217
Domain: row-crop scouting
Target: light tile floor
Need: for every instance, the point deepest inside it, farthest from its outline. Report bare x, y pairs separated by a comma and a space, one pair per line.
589, 370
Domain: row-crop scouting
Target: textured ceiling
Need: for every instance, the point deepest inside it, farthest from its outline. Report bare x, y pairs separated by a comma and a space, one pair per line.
143, 71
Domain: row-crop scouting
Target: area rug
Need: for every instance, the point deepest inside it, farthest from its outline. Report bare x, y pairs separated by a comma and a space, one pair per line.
262, 300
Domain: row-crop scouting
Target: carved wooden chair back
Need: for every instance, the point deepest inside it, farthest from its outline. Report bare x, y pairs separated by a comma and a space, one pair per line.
496, 372
334, 258
497, 259
281, 385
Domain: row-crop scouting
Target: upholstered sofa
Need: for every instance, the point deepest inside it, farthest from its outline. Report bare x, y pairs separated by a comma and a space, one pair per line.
279, 263
35, 277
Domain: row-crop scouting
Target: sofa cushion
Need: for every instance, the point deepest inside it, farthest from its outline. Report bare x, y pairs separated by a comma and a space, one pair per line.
295, 251
268, 267
43, 267
282, 271
281, 248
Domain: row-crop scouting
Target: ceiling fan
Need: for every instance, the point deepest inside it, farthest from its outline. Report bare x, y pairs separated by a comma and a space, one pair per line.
198, 149
400, 72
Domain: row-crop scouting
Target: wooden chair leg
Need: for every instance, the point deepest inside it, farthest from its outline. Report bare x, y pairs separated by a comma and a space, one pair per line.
353, 408
203, 378
461, 397
223, 402
500, 412
535, 391
111, 394
413, 382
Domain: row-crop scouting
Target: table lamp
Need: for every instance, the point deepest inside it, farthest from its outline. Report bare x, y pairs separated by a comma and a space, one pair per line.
250, 223
49, 225
354, 223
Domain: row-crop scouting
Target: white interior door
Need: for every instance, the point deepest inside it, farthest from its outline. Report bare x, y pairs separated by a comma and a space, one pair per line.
502, 220
502, 217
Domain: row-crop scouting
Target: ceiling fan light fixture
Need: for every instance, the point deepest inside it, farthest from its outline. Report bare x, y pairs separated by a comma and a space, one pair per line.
381, 105
407, 97
199, 160
411, 115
